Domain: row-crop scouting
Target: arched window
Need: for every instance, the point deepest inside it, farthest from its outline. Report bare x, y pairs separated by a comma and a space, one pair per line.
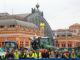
58, 45
69, 45
63, 45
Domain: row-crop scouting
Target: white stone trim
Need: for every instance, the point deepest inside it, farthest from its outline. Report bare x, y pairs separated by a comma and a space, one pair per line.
16, 34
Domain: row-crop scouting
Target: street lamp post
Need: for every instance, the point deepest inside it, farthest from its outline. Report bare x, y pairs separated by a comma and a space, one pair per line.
56, 43
66, 39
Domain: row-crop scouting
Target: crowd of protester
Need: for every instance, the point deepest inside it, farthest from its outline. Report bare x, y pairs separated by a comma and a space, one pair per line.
41, 54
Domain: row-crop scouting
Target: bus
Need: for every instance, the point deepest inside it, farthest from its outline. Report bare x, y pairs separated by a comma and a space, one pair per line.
10, 45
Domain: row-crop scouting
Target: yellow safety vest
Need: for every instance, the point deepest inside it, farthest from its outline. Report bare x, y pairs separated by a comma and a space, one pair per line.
36, 55
28, 56
16, 55
73, 56
24, 53
23, 56
42, 26
32, 56
3, 57
49, 53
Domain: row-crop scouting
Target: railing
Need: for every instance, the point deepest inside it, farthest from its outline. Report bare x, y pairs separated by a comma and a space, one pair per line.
45, 59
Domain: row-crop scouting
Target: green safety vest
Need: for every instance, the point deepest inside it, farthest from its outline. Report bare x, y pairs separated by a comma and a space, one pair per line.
73, 56
16, 55
36, 55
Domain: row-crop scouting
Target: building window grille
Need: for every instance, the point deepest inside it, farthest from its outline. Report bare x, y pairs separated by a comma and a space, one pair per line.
58, 45
1, 26
69, 35
57, 35
12, 25
63, 45
63, 35
69, 45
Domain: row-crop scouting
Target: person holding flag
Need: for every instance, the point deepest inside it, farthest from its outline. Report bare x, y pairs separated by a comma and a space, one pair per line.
18, 42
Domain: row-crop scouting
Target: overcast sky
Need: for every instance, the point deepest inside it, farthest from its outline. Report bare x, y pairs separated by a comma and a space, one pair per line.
60, 14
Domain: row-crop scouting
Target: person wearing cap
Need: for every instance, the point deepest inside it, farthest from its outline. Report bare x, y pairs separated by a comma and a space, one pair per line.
16, 54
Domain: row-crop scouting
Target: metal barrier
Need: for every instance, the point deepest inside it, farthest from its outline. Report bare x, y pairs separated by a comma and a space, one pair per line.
45, 59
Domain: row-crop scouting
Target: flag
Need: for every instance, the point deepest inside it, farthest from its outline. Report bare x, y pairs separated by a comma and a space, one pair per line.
18, 42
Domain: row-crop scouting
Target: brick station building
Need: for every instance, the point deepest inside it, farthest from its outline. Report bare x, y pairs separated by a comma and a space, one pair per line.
68, 38
14, 28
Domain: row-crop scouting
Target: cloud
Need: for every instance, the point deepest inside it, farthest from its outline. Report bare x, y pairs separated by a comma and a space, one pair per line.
59, 13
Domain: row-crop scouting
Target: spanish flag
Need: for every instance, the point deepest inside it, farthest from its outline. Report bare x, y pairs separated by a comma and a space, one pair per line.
18, 42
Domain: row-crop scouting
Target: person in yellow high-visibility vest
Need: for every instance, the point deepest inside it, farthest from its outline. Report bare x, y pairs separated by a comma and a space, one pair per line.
42, 25
38, 55
22, 55
16, 55
3, 57
31, 55
28, 56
